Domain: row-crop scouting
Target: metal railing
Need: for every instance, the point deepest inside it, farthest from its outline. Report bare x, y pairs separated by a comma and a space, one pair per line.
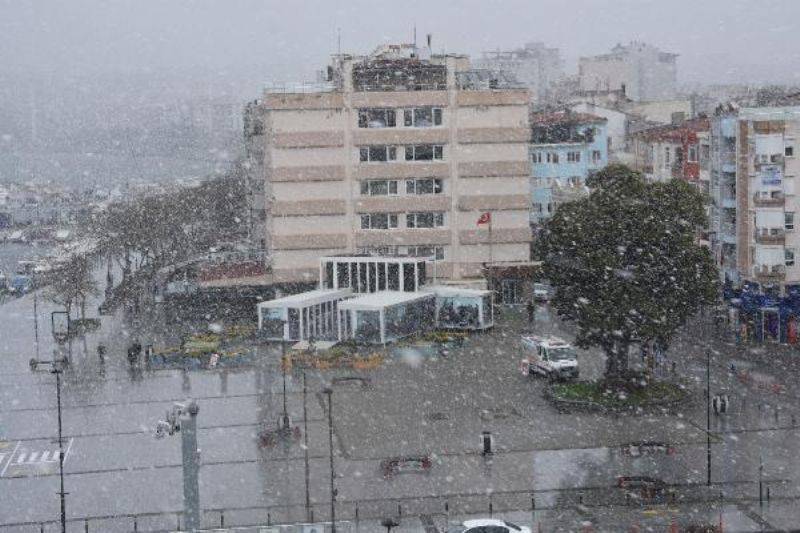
439, 508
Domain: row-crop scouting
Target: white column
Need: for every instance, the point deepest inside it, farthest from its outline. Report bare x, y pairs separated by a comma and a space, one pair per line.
382, 321
416, 276
401, 267
368, 276
300, 319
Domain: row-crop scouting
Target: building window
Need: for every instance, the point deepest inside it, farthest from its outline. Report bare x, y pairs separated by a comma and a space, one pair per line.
424, 152
424, 186
378, 221
788, 257
437, 252
666, 157
788, 220
424, 220
692, 154
573, 157
574, 181
788, 151
376, 118
536, 157
422, 117
597, 156
552, 157
377, 153
379, 188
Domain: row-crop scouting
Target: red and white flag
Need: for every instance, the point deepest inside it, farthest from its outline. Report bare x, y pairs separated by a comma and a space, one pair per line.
485, 218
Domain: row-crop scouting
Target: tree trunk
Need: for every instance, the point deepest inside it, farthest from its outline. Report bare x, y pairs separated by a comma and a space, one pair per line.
617, 359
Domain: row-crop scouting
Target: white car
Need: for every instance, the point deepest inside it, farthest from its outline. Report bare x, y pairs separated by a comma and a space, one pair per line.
541, 292
488, 525
549, 356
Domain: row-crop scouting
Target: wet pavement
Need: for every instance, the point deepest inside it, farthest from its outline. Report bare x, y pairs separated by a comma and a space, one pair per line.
566, 464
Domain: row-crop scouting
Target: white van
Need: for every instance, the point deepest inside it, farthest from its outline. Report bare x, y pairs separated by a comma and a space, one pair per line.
549, 356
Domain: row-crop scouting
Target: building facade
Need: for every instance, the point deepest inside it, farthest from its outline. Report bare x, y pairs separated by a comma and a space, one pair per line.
396, 154
676, 151
642, 71
566, 147
535, 65
753, 171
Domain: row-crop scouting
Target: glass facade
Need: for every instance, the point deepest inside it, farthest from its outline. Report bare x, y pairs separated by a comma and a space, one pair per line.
406, 319
368, 327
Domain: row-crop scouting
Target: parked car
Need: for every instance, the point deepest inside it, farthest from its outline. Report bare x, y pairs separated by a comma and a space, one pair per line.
551, 357
487, 525
541, 292
20, 285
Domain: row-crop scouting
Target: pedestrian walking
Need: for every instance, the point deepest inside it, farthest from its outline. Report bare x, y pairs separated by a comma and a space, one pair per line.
531, 311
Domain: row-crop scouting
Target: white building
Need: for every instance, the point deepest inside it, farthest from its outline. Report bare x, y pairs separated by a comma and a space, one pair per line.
535, 65
642, 71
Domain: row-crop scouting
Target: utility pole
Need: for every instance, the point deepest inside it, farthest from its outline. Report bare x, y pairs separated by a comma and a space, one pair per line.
36, 322
285, 423
55, 368
708, 417
329, 392
305, 449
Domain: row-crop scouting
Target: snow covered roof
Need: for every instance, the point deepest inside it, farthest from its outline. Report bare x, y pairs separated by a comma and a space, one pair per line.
383, 299
446, 291
307, 298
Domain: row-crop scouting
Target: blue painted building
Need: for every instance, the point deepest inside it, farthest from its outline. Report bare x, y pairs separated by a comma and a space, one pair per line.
566, 147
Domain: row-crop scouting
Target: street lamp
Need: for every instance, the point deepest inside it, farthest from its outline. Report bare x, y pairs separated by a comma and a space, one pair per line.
708, 418
177, 421
305, 449
329, 392
56, 368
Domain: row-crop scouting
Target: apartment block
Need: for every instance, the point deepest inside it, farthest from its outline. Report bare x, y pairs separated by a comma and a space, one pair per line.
640, 71
675, 151
397, 153
754, 168
535, 65
566, 147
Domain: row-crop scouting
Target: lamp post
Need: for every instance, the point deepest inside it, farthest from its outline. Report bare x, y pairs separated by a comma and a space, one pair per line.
708, 417
329, 392
56, 368
285, 423
305, 450
177, 421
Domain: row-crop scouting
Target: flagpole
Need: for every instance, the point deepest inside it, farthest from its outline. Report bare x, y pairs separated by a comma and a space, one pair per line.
491, 251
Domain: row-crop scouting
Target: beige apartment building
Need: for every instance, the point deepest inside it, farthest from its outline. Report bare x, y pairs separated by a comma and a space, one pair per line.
397, 153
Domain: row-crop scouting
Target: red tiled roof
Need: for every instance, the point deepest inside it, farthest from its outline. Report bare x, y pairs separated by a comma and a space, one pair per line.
674, 131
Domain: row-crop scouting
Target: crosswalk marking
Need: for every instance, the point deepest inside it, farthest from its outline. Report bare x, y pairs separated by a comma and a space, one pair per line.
30, 461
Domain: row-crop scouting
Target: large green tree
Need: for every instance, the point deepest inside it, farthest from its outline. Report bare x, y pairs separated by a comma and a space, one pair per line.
625, 262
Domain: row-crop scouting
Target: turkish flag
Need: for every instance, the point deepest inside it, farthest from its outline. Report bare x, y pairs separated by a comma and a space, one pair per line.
486, 218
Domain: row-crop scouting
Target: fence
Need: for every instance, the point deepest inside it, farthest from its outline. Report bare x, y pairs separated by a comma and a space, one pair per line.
356, 515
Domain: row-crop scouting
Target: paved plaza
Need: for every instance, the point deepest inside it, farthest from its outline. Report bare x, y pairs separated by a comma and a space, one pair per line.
552, 469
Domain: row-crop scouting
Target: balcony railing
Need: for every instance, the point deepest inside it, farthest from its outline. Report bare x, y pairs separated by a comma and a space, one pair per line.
775, 159
769, 273
774, 199
770, 235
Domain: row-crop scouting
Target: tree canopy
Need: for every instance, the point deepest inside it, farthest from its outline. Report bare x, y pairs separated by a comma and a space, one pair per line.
625, 262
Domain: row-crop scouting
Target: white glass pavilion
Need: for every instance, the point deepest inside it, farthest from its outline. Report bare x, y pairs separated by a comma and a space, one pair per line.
365, 274
386, 316
460, 308
299, 317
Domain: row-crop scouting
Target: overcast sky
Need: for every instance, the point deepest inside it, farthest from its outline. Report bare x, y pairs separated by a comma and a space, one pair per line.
718, 40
